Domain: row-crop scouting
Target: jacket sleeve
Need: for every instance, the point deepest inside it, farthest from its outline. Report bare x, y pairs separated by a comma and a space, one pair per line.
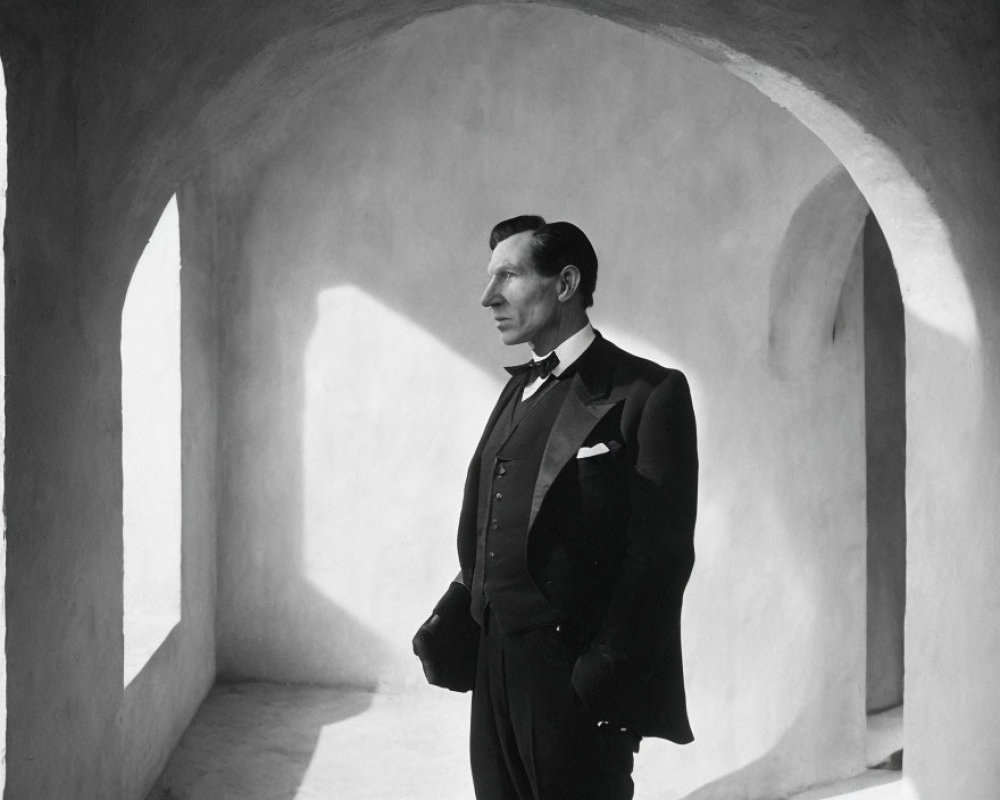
643, 615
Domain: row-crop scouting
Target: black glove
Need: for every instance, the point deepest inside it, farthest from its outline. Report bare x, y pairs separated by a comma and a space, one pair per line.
447, 644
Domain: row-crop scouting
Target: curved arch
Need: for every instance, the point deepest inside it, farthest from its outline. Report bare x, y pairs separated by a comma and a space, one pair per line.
935, 288
279, 57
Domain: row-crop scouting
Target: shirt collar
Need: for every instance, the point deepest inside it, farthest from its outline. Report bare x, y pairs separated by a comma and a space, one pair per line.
570, 350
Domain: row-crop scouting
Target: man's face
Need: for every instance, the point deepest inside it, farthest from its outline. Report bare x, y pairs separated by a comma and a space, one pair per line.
525, 303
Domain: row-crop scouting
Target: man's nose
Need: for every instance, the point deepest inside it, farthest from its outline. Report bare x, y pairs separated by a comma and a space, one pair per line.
491, 297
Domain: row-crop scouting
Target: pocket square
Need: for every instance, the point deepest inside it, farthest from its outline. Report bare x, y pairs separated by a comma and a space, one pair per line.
594, 450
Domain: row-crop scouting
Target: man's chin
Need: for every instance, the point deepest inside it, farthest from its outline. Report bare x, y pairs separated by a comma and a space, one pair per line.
511, 338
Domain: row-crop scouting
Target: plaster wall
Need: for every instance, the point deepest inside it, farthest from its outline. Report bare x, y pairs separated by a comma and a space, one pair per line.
358, 367
72, 729
62, 489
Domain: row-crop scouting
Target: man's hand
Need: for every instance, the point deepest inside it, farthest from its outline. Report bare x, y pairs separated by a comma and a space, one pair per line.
596, 680
448, 641
422, 647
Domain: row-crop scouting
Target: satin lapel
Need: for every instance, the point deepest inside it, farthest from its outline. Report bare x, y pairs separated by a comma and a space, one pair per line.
577, 418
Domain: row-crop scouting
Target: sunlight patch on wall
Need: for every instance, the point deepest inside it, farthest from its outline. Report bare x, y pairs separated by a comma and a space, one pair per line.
151, 445
392, 415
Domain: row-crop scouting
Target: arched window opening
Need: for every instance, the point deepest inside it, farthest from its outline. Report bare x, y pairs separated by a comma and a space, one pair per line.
151, 446
830, 235
885, 456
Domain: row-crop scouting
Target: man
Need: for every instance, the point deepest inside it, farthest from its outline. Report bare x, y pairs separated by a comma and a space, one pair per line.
574, 541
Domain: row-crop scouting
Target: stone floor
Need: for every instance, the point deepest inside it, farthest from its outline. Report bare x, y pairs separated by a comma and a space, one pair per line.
260, 741
876, 784
885, 737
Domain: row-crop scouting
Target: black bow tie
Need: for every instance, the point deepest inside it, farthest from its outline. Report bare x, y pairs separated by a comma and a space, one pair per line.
536, 369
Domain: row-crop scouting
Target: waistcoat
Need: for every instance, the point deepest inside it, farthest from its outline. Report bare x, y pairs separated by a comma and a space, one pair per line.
511, 458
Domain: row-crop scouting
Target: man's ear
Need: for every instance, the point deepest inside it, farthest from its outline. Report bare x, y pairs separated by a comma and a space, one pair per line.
569, 282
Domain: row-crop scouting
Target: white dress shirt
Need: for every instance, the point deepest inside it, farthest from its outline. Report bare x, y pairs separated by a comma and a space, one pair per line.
568, 352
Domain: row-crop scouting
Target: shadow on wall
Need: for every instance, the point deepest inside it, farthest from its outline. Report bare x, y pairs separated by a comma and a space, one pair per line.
341, 503
305, 636
885, 451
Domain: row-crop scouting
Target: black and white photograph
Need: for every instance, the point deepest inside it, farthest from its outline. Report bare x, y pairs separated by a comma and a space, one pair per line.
436, 400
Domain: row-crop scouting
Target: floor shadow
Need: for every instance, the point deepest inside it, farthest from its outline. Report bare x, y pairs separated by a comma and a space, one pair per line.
757, 777
870, 785
265, 741
254, 740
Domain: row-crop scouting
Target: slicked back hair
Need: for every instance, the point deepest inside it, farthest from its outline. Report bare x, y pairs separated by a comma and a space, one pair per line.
553, 246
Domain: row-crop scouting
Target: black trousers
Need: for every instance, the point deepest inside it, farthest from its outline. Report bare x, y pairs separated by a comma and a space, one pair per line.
531, 737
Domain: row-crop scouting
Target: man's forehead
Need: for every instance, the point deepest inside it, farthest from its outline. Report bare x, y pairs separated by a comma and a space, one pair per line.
512, 251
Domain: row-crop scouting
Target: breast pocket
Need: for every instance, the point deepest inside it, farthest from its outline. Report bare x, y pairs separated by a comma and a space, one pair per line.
603, 482
594, 468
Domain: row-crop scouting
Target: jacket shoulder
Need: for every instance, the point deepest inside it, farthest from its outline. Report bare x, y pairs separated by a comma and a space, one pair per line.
630, 370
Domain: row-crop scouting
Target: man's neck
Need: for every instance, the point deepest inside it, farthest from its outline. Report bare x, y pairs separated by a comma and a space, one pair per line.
568, 326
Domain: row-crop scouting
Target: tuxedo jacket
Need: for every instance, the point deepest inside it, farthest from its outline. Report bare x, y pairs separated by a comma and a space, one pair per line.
610, 536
